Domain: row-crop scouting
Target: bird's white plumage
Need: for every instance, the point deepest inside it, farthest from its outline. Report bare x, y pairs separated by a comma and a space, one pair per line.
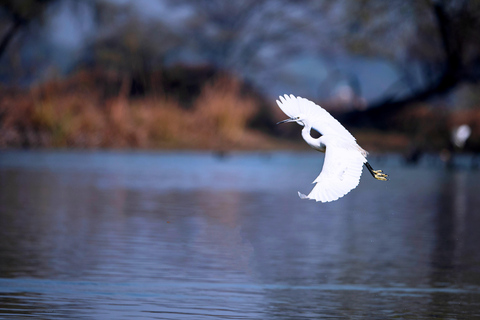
344, 158
341, 170
319, 118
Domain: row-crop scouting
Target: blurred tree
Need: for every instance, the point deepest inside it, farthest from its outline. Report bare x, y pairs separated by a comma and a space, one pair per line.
132, 47
243, 35
435, 44
29, 50
217, 29
17, 15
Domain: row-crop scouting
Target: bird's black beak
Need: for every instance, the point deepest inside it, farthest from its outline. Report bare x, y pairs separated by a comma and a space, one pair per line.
286, 120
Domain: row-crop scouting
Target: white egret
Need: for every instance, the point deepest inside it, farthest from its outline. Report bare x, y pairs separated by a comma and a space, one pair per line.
344, 158
460, 135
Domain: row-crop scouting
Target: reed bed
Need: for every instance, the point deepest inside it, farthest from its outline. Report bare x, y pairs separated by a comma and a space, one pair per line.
61, 114
90, 110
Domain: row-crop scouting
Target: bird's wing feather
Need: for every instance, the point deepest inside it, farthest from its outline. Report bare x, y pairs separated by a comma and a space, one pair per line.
318, 117
341, 170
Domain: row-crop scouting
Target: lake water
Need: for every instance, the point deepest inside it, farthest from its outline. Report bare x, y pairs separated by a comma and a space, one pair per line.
153, 235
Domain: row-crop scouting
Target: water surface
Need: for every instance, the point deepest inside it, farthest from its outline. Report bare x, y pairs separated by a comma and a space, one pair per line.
129, 235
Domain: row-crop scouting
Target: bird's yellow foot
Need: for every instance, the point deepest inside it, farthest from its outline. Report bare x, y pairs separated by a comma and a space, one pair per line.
379, 175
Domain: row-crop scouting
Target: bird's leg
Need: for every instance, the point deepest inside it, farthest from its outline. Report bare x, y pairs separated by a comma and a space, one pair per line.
377, 174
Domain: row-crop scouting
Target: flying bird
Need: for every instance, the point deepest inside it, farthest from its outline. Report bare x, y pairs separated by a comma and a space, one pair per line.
344, 158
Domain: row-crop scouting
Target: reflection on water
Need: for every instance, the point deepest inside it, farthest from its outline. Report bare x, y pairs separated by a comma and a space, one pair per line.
187, 235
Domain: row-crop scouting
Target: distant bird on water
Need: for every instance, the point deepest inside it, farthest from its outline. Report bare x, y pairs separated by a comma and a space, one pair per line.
344, 158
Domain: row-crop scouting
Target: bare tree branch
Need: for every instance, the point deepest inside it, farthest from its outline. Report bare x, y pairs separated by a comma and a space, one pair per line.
454, 27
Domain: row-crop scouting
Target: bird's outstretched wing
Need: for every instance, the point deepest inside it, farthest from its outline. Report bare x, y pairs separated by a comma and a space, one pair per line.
341, 170
318, 117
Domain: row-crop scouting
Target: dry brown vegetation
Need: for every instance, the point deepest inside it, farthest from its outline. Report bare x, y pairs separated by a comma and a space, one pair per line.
77, 113
97, 110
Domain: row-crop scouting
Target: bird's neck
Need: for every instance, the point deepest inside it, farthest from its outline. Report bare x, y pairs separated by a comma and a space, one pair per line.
312, 142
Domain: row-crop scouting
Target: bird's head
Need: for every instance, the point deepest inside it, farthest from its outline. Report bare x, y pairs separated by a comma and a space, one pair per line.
298, 119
